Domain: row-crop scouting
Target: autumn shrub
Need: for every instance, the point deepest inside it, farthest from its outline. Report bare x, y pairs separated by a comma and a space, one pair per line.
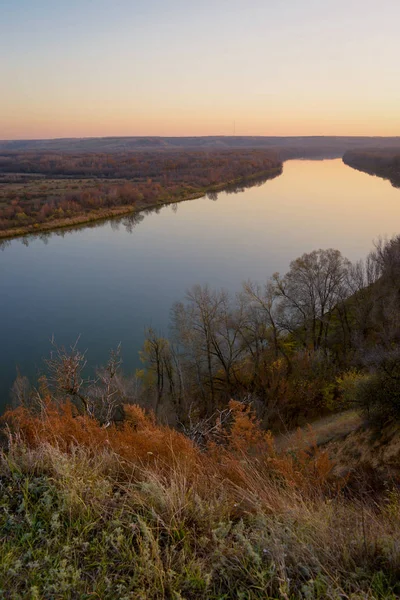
138, 440
378, 395
73, 527
247, 457
288, 392
242, 445
349, 385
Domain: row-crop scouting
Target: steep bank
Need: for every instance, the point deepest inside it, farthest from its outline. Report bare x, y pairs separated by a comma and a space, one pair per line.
141, 512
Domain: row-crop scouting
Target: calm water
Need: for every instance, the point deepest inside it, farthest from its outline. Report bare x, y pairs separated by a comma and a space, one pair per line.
108, 282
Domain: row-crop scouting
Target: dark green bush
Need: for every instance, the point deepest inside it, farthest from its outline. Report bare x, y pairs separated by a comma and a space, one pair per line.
379, 397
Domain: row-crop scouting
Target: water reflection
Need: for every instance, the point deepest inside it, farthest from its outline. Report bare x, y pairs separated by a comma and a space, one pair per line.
108, 280
130, 221
4, 244
237, 188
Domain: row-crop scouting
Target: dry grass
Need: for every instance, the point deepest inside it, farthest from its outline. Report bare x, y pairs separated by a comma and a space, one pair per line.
323, 431
373, 450
140, 512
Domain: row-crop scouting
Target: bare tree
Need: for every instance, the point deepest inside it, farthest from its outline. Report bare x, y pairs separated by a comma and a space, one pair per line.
310, 291
207, 330
386, 257
109, 391
101, 397
158, 357
66, 373
21, 391
263, 310
194, 328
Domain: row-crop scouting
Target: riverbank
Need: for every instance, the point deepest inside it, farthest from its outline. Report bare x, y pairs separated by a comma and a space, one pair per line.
384, 163
119, 211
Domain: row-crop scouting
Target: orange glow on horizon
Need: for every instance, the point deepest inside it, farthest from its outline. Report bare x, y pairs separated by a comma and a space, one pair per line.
93, 69
95, 126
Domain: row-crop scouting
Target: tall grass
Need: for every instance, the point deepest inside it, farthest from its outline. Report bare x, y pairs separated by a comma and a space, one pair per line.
140, 512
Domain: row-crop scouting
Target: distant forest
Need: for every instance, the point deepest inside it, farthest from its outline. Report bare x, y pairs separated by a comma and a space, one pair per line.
383, 162
46, 184
38, 189
289, 147
197, 168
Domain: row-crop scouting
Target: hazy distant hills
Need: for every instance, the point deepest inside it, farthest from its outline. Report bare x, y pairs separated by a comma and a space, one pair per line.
288, 147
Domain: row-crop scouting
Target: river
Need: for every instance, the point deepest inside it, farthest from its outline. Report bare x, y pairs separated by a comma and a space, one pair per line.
108, 282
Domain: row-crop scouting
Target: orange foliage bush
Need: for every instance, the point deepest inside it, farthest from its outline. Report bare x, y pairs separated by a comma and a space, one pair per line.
246, 457
249, 449
138, 440
245, 433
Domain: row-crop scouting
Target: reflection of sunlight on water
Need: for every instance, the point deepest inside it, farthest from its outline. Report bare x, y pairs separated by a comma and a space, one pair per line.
310, 184
107, 280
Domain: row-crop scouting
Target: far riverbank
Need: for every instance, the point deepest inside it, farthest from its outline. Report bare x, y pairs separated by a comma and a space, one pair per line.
118, 211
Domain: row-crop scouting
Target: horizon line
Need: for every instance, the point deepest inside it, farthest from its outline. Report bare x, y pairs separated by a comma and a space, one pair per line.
105, 137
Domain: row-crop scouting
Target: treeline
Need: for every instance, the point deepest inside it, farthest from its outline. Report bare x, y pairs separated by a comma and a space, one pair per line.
323, 337
197, 168
384, 163
138, 180
302, 146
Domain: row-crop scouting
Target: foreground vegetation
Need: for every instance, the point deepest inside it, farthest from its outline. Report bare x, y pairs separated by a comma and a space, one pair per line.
322, 338
139, 511
41, 191
161, 486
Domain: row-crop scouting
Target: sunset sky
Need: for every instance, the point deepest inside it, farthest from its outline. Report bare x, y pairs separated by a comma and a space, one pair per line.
169, 67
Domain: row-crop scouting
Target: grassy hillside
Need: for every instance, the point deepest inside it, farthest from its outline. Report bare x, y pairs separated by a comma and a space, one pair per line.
140, 511
159, 485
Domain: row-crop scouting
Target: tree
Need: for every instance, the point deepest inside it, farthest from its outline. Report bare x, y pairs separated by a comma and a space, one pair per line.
309, 292
262, 305
157, 357
109, 391
207, 330
103, 397
194, 327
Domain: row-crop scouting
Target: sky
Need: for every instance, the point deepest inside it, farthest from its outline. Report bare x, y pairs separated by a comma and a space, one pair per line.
87, 68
